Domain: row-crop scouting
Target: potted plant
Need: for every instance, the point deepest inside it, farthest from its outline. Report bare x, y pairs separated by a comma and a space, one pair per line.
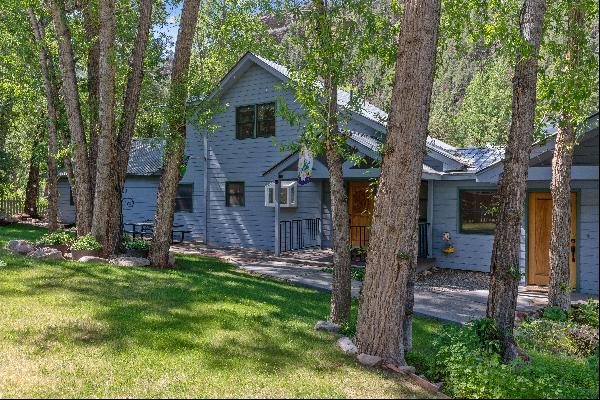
358, 253
137, 247
59, 240
86, 245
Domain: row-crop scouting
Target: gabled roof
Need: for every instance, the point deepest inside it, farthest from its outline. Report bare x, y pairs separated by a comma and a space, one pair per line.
145, 159
482, 157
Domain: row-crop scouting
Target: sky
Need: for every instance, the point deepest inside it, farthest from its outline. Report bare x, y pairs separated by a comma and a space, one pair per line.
172, 25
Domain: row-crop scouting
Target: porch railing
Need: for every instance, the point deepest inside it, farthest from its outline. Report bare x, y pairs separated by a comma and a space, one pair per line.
423, 239
359, 237
297, 234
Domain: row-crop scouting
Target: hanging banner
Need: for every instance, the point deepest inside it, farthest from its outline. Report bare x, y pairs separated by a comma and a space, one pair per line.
305, 164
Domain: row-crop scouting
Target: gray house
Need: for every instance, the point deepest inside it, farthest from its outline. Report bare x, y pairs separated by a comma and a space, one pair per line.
228, 194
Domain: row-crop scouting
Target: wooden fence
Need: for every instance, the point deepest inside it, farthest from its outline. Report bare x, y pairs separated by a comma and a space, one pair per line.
14, 205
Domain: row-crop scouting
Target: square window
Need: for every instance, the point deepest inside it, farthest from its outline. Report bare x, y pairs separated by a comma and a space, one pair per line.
235, 195
254, 121
478, 211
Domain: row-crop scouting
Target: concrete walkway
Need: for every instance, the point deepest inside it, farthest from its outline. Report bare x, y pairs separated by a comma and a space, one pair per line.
455, 305
459, 306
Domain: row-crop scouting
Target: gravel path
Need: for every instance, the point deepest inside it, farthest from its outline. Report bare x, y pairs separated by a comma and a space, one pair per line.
452, 280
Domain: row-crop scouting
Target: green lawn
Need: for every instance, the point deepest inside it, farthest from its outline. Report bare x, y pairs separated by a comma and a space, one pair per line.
206, 329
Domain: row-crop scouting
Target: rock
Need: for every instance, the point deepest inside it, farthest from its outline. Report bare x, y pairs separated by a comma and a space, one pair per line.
130, 261
47, 252
369, 360
346, 345
327, 326
86, 259
171, 259
20, 246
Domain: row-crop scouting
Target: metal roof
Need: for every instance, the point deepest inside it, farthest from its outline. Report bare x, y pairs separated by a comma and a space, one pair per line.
366, 109
482, 157
145, 158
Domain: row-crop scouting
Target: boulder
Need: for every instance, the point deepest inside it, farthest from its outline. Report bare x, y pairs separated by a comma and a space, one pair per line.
20, 247
369, 360
346, 345
87, 259
130, 261
47, 252
327, 326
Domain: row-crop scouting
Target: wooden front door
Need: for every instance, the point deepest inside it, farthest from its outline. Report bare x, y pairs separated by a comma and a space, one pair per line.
540, 231
360, 210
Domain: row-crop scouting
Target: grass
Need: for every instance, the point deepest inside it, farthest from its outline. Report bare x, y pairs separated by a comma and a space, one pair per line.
205, 329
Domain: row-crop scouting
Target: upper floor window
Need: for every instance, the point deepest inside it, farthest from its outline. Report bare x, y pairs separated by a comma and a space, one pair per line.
254, 121
183, 199
478, 211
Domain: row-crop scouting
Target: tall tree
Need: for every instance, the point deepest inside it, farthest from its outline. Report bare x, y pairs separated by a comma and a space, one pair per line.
512, 187
175, 145
328, 42
32, 189
341, 290
91, 27
105, 182
52, 118
390, 262
83, 192
127, 121
565, 95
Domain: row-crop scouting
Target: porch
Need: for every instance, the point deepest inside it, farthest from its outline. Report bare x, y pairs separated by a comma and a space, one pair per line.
301, 234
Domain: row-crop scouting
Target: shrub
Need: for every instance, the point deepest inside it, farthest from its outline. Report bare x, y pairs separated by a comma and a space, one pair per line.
87, 243
554, 314
136, 244
56, 238
586, 313
547, 336
466, 359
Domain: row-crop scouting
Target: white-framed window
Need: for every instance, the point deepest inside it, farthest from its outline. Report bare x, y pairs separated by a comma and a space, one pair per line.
288, 194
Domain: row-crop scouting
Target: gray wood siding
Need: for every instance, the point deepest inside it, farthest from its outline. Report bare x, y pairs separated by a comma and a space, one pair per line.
233, 160
473, 251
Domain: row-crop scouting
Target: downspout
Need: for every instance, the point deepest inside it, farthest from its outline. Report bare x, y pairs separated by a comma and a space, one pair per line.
205, 178
430, 218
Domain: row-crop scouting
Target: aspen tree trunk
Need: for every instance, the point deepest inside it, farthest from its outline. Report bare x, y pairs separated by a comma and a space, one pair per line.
93, 72
52, 114
32, 189
83, 194
512, 187
341, 290
175, 147
105, 178
128, 117
559, 291
391, 258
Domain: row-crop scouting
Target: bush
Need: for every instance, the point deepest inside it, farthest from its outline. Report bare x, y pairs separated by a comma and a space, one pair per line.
467, 360
56, 238
546, 336
554, 314
136, 244
586, 313
87, 243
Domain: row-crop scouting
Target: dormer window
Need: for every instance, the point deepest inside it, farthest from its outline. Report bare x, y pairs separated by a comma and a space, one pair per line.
255, 121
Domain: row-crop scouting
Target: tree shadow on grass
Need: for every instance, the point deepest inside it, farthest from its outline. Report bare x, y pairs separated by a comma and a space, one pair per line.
205, 308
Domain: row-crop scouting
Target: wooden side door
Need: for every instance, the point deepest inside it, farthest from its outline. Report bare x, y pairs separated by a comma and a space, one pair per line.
360, 210
540, 231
